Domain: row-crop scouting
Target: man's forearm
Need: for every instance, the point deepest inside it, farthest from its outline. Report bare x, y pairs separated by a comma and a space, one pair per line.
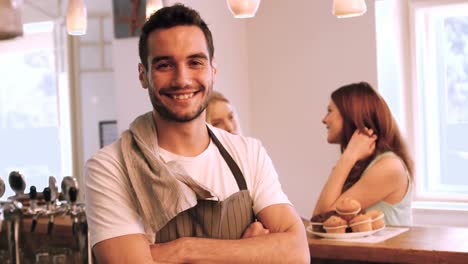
285, 247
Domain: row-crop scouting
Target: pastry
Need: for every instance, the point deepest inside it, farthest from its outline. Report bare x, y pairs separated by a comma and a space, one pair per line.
377, 219
317, 221
348, 208
361, 223
335, 224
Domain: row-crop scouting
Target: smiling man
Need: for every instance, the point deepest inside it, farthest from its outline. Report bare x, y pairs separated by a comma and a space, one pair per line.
173, 189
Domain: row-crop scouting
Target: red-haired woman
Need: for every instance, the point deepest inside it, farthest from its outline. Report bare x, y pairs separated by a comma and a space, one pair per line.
374, 167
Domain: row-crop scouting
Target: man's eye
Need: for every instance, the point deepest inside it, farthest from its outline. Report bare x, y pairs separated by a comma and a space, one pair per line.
162, 66
195, 63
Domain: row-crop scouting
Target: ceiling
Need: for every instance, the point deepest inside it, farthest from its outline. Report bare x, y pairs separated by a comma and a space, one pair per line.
43, 10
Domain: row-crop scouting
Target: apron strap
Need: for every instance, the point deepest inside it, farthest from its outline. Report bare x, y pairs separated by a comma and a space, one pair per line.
230, 162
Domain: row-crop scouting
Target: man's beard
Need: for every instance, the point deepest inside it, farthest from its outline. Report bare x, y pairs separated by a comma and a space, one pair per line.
168, 115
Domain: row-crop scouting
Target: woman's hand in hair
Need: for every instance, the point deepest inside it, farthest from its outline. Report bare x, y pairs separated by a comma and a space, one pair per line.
361, 145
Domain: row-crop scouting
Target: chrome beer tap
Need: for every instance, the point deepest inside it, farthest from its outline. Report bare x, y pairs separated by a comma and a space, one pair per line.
73, 195
70, 194
33, 210
17, 184
50, 209
13, 215
67, 183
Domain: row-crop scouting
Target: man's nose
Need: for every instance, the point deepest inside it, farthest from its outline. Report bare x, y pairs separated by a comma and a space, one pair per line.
182, 77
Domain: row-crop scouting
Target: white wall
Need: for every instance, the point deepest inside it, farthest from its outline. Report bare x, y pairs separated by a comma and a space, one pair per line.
281, 86
298, 54
279, 69
230, 53
131, 100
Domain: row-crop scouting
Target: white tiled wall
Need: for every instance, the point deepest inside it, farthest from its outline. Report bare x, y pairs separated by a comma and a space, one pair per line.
96, 79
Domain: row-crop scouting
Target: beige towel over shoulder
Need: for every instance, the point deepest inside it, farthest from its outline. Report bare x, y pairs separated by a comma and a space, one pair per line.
162, 190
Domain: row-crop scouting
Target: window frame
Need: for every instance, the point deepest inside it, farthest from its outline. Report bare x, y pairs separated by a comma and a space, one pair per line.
415, 108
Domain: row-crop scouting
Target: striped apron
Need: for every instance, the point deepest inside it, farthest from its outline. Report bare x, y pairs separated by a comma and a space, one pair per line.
226, 219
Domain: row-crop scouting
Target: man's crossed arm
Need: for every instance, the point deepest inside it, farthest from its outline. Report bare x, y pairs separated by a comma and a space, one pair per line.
282, 240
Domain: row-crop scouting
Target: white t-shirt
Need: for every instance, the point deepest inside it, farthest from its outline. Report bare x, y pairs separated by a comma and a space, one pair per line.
111, 210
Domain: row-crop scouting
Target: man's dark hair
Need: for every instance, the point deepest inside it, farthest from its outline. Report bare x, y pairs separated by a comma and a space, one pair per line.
171, 16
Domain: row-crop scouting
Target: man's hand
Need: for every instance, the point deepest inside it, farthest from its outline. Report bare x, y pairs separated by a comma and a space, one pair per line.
255, 229
283, 240
164, 252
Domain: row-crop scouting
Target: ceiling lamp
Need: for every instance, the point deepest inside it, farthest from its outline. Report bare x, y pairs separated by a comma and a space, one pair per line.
10, 19
76, 17
243, 8
349, 8
153, 6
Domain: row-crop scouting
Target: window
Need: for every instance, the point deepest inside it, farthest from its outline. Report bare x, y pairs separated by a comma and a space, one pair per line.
34, 107
438, 97
441, 43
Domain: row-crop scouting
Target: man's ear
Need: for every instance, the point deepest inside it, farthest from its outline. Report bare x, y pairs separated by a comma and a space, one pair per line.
142, 76
214, 67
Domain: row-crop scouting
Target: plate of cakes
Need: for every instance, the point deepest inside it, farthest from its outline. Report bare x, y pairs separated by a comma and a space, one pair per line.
347, 221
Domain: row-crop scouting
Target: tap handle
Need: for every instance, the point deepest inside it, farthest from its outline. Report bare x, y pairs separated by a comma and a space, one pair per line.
33, 197
48, 197
32, 193
67, 183
16, 181
53, 188
47, 194
73, 194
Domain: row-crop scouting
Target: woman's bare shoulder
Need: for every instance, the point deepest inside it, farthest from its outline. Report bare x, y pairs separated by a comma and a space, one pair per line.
388, 167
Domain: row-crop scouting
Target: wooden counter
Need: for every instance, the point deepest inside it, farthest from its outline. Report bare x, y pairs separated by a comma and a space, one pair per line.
417, 245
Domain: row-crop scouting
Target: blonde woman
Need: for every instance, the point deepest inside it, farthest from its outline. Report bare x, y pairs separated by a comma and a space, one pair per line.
220, 113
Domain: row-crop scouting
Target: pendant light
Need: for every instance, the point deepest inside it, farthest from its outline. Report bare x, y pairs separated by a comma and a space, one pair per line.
153, 6
349, 8
243, 8
76, 17
10, 19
